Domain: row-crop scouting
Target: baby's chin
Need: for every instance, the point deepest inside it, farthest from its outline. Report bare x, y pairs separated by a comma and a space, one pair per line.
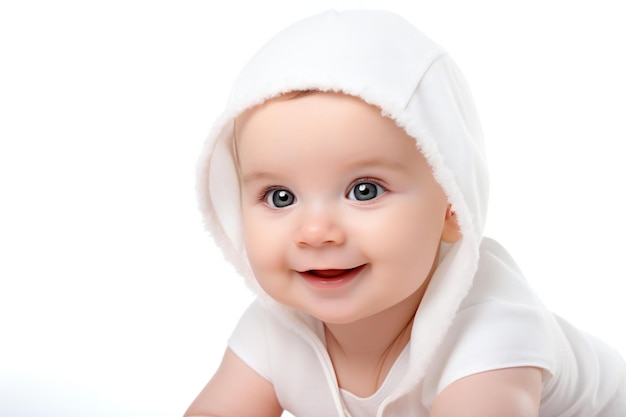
340, 315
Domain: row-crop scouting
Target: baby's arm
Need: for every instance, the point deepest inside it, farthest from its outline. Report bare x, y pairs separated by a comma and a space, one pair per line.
235, 391
511, 392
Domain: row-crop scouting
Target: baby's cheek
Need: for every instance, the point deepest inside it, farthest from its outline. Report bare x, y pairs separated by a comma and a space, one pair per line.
411, 240
262, 252
254, 250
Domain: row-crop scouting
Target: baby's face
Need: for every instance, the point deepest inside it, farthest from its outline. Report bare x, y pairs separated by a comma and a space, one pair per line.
341, 213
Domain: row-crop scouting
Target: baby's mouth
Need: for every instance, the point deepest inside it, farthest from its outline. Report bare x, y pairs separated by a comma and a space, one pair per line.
332, 273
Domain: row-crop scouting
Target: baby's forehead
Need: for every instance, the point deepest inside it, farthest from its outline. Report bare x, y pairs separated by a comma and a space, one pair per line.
289, 100
284, 97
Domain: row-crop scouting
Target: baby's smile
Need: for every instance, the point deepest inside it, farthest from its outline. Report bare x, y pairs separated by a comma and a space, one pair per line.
332, 273
328, 279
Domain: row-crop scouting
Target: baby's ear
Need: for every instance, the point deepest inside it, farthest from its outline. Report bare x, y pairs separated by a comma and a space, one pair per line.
451, 231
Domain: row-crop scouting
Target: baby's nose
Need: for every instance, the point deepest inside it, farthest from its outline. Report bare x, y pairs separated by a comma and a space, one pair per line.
319, 230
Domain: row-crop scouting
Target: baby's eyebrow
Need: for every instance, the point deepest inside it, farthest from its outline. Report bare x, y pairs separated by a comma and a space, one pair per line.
256, 176
378, 163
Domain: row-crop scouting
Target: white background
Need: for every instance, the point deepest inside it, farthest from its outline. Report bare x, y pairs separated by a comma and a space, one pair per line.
114, 301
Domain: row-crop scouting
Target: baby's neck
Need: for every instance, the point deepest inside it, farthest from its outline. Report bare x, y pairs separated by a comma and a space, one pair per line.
364, 352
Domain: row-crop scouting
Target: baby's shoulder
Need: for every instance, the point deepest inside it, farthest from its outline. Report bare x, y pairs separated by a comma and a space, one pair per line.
499, 278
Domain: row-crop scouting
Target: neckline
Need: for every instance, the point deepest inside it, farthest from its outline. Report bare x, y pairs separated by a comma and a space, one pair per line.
390, 383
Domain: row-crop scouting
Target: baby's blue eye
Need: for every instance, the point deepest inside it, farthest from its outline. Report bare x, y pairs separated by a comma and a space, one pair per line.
280, 198
364, 191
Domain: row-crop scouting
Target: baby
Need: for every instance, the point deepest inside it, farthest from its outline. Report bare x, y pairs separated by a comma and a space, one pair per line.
346, 180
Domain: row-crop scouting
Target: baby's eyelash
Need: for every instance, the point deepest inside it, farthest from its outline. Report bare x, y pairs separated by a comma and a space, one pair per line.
262, 195
368, 179
265, 192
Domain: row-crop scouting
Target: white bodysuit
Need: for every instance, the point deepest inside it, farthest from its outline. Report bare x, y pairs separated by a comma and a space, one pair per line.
477, 313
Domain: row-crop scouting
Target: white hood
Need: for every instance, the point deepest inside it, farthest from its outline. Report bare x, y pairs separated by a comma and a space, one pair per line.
384, 60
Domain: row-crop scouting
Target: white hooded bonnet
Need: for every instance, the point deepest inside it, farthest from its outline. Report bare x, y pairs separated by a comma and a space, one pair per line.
382, 59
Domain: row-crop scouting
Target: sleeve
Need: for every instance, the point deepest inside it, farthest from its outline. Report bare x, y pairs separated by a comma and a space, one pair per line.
495, 335
249, 340
501, 324
282, 356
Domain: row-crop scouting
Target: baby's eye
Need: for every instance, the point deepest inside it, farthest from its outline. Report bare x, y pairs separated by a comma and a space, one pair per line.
365, 190
279, 198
